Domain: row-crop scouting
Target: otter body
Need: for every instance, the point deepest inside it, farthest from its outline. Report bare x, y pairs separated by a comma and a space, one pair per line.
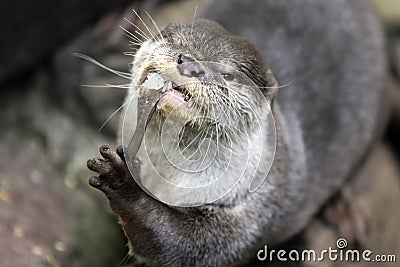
324, 122
332, 56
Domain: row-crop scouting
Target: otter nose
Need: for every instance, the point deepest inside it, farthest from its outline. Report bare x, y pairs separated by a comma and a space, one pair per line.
189, 67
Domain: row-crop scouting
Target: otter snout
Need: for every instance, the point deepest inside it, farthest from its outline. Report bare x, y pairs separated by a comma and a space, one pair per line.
187, 66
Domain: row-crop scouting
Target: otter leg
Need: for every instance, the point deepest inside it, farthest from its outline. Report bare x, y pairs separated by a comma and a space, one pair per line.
160, 235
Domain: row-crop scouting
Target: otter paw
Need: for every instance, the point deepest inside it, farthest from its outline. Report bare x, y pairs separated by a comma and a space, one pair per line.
113, 172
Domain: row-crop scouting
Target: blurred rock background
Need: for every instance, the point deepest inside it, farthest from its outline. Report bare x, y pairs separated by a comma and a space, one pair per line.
49, 127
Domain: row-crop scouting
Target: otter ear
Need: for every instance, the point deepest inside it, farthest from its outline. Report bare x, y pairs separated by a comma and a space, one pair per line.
271, 88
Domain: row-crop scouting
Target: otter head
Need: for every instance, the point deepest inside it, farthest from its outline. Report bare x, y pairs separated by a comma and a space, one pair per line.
217, 88
215, 76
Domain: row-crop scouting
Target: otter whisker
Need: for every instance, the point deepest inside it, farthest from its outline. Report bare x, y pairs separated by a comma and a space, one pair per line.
141, 35
125, 260
112, 115
157, 27
130, 54
266, 87
194, 17
279, 86
221, 108
234, 115
136, 40
145, 25
132, 36
225, 98
139, 30
133, 44
228, 136
107, 85
89, 59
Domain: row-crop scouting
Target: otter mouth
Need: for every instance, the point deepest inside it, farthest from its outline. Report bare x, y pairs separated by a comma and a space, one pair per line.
158, 93
181, 91
173, 96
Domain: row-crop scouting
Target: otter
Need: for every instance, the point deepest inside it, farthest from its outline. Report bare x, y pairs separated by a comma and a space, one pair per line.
274, 153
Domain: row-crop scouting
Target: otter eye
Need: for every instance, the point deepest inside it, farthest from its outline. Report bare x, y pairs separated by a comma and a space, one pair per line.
228, 77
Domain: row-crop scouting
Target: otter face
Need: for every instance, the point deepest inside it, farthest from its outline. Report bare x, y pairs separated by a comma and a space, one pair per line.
215, 77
